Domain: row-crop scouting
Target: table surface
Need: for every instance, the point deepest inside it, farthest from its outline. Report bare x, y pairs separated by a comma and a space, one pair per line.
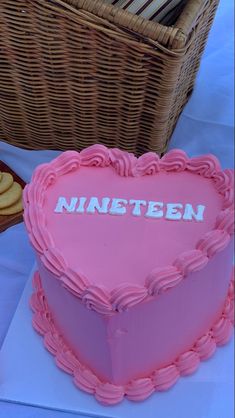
205, 126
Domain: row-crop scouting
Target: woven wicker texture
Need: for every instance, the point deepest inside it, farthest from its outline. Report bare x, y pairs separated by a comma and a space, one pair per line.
76, 72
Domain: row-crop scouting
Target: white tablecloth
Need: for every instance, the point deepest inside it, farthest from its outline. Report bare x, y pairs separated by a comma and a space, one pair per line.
206, 125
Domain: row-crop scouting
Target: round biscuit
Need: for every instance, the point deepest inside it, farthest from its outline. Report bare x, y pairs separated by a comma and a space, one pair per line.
6, 182
11, 196
12, 210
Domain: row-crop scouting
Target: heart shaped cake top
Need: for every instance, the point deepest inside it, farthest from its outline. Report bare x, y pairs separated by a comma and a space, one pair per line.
117, 230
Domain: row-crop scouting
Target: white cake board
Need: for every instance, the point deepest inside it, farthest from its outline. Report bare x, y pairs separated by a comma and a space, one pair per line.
28, 375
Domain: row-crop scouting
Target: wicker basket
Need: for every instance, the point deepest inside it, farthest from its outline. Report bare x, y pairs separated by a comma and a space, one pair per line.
76, 72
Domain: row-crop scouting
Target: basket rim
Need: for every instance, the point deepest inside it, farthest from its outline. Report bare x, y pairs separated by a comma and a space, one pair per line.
119, 23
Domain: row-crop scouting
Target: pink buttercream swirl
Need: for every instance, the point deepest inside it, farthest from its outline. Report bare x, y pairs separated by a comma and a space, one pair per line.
45, 175
138, 389
191, 261
95, 155
222, 331
75, 282
188, 362
213, 242
86, 380
148, 164
35, 194
221, 181
66, 360
125, 164
53, 261
52, 341
224, 184
229, 307
228, 191
126, 296
66, 162
166, 377
205, 346
35, 221
224, 180
163, 279
225, 221
97, 298
109, 394
205, 166
174, 160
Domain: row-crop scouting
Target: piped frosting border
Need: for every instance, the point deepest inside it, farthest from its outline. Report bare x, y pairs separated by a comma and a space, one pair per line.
139, 389
159, 280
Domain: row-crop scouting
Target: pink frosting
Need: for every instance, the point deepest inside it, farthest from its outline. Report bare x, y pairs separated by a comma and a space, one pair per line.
126, 296
96, 155
222, 331
213, 242
123, 162
174, 160
148, 164
67, 362
97, 296
69, 161
86, 380
109, 394
207, 165
74, 282
166, 377
225, 221
137, 389
205, 346
191, 261
163, 279
188, 362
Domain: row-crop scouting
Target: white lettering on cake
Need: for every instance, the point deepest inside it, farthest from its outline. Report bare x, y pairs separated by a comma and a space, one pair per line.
95, 205
118, 206
63, 204
134, 207
137, 206
190, 214
172, 211
154, 210
81, 205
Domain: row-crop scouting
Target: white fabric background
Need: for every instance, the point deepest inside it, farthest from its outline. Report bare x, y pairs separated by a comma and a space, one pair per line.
206, 125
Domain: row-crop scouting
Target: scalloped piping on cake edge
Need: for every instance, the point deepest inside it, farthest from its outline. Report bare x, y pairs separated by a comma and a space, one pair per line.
125, 164
138, 389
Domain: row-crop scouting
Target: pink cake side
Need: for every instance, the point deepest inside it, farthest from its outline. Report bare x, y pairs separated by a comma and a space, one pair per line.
156, 331
137, 389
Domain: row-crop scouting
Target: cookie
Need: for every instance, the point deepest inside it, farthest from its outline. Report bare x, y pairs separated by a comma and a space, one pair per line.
11, 196
16, 208
6, 181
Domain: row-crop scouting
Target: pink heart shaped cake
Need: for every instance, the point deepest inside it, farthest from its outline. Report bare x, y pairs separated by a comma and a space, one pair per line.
134, 258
